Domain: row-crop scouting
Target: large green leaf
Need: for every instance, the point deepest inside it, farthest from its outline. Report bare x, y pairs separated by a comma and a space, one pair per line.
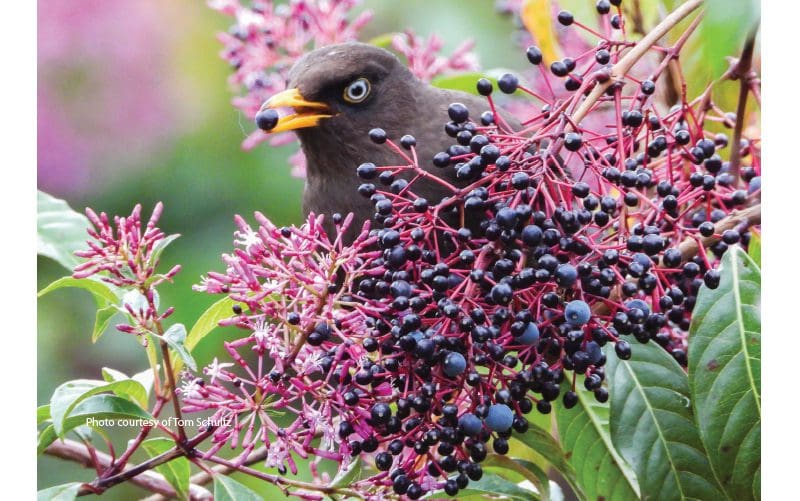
64, 492
586, 439
725, 373
540, 441
176, 471
209, 320
228, 489
104, 293
70, 394
60, 230
101, 407
652, 426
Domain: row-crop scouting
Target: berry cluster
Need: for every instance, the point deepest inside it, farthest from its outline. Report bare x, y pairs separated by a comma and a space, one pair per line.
593, 223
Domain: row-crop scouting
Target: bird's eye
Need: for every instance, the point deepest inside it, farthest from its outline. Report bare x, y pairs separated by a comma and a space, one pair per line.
357, 90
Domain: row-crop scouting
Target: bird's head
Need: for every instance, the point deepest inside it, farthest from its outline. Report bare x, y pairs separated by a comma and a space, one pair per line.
340, 90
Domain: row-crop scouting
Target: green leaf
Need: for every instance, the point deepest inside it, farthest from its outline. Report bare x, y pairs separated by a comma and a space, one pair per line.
725, 373
725, 25
102, 318
145, 378
348, 474
159, 247
64, 492
104, 294
492, 484
83, 432
465, 82
503, 465
586, 439
46, 437
545, 445
652, 426
228, 489
754, 247
102, 407
42, 414
67, 396
176, 471
60, 230
175, 337
110, 375
207, 322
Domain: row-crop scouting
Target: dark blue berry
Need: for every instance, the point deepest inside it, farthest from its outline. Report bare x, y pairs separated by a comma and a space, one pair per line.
577, 312
500, 417
470, 424
454, 364
508, 83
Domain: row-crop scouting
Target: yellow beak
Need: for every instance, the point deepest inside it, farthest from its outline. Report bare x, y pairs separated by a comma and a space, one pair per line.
308, 113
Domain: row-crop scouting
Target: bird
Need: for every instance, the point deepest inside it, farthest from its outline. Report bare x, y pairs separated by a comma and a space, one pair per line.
341, 92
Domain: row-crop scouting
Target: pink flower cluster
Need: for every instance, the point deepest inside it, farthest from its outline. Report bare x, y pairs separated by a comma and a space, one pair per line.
126, 257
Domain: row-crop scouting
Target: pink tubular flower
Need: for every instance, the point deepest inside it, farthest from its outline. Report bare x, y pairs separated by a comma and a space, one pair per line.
298, 328
126, 257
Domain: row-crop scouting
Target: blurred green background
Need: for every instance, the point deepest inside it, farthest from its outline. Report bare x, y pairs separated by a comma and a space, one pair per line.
134, 107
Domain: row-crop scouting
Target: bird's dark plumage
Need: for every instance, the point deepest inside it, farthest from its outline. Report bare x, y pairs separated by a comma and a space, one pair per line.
395, 101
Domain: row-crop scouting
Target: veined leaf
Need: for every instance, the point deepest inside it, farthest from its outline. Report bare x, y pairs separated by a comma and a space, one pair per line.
725, 373
60, 230
653, 429
545, 445
67, 396
104, 294
586, 439
104, 407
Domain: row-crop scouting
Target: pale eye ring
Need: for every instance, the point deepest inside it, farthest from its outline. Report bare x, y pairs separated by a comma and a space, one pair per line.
357, 90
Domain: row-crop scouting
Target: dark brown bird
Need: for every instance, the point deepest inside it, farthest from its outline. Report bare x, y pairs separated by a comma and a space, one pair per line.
339, 93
